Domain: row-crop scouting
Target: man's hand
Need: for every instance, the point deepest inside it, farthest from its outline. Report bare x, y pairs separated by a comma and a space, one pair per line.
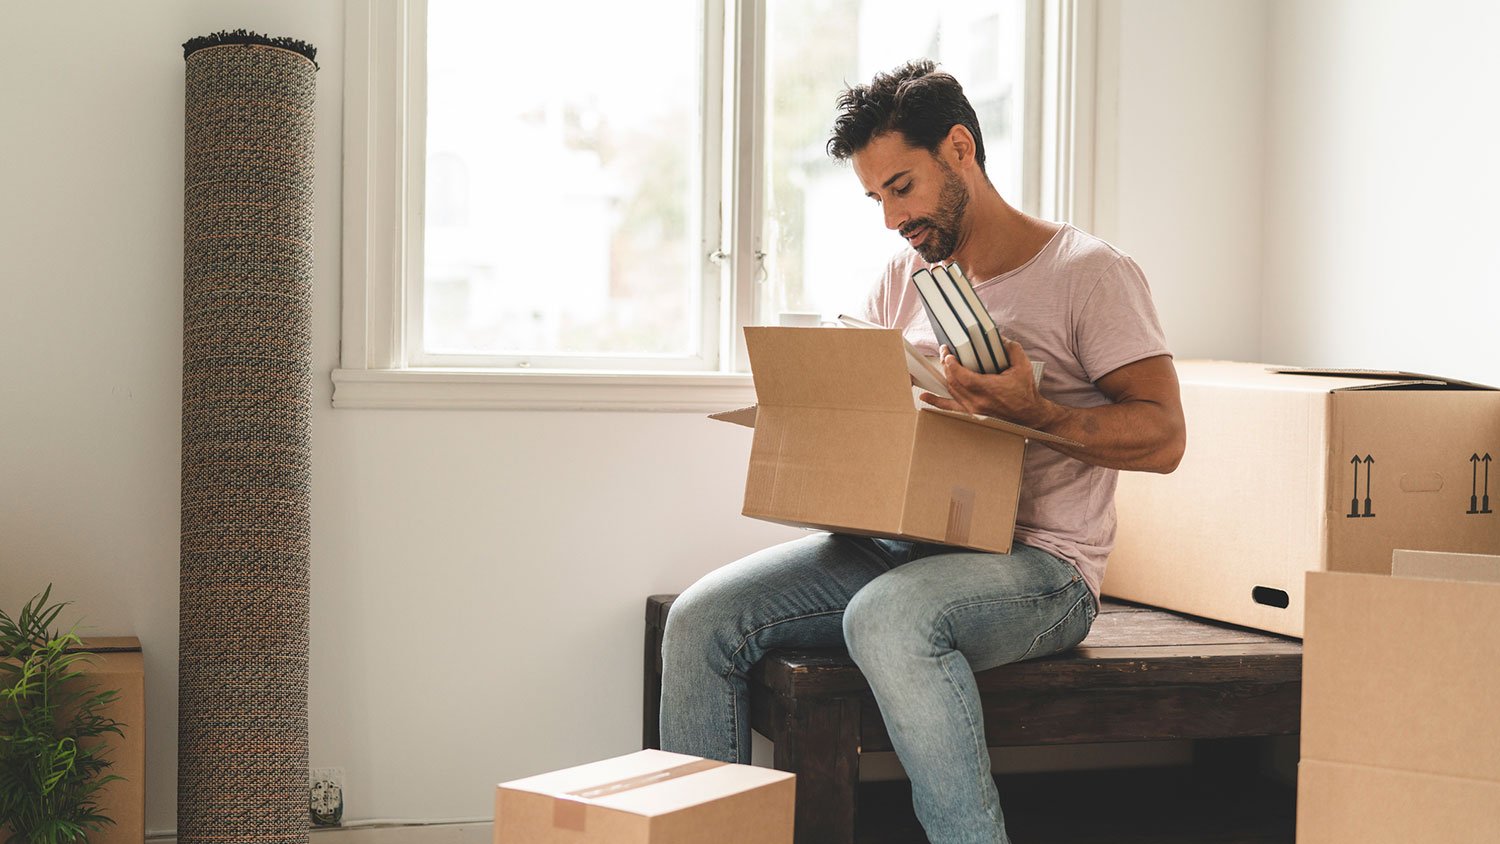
1011, 395
1142, 429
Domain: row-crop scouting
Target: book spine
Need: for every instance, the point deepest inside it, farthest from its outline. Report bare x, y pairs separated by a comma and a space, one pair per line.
964, 309
927, 292
991, 332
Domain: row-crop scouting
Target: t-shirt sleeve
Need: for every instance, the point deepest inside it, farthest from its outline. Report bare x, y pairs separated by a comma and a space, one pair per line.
879, 305
1118, 324
872, 309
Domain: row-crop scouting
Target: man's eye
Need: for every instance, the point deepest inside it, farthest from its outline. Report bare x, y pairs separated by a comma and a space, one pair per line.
902, 190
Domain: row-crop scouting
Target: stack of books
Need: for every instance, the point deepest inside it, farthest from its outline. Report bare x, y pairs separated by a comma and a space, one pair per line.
960, 320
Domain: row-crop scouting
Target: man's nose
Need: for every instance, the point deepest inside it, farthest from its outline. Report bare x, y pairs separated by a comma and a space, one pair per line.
895, 216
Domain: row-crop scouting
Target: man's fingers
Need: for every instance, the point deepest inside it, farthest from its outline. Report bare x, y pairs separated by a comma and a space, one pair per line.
940, 402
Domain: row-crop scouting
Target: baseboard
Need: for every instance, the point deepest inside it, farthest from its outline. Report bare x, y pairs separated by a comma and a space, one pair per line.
464, 832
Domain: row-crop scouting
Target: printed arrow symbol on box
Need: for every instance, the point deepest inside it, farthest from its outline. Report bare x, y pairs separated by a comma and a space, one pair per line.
1487, 483
1354, 502
1369, 462
1474, 482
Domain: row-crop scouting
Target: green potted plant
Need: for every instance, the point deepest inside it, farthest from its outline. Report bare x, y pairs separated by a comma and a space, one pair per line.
52, 761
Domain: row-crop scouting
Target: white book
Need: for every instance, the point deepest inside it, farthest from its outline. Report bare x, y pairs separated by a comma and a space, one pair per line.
923, 370
946, 324
993, 340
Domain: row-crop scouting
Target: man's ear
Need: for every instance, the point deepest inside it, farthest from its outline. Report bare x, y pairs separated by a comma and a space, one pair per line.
961, 141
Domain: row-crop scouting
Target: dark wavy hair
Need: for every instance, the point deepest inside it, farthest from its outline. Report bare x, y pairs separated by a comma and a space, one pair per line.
915, 99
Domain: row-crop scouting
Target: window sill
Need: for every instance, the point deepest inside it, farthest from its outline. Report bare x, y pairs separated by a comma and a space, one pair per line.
450, 389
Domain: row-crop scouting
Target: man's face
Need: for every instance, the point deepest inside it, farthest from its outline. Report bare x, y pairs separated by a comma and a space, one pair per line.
921, 196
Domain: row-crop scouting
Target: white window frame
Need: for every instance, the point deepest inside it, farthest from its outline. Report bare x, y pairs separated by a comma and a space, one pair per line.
384, 88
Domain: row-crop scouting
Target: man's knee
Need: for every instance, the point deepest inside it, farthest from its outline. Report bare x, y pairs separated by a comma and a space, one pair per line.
880, 625
710, 621
696, 615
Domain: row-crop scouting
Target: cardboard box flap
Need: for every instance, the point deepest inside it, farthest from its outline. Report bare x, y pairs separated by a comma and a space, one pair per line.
1002, 425
1383, 379
739, 416
1240, 375
829, 367
1445, 565
1338, 803
1398, 673
108, 644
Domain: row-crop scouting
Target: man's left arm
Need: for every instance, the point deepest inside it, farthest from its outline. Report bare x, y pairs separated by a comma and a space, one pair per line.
1142, 429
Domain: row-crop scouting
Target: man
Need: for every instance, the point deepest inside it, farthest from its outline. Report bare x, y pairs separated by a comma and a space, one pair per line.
919, 619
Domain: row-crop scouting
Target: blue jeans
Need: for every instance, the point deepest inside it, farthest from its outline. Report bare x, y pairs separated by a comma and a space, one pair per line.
918, 619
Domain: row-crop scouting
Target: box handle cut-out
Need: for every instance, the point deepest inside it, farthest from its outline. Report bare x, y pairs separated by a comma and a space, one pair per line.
1422, 482
1271, 597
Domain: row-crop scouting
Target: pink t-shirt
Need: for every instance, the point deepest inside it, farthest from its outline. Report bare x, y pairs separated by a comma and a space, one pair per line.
1084, 309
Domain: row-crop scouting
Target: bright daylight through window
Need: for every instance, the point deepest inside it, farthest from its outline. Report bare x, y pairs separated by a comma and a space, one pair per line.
574, 190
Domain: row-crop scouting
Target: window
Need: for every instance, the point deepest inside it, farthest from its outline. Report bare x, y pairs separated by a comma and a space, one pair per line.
583, 245
826, 239
534, 220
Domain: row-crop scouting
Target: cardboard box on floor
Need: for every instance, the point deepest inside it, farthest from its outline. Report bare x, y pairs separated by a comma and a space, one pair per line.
1399, 684
649, 797
841, 446
118, 665
1291, 472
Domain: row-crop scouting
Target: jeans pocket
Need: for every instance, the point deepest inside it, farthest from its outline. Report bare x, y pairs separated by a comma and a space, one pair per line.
1067, 632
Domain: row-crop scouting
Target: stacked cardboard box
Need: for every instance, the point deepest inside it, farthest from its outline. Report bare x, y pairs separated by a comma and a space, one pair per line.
1291, 471
1400, 676
650, 797
118, 665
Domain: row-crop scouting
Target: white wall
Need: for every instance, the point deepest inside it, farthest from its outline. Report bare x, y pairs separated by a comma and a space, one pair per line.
1180, 164
1381, 213
478, 577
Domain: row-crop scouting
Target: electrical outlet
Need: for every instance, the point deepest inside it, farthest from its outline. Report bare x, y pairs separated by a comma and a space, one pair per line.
325, 796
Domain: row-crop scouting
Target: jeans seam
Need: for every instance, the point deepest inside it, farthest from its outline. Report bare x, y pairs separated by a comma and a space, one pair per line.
734, 703
734, 726
974, 732
1060, 622
748, 636
1014, 600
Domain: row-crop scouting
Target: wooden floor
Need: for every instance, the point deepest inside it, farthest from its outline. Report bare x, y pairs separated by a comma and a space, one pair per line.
1136, 806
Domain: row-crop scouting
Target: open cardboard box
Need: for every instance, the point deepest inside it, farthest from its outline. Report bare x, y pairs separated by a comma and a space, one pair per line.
1399, 684
1291, 471
840, 445
649, 797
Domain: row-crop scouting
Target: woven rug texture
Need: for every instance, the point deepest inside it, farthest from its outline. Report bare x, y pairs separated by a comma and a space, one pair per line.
246, 446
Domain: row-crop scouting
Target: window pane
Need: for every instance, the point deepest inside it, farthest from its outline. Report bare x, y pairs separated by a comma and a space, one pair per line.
828, 242
563, 178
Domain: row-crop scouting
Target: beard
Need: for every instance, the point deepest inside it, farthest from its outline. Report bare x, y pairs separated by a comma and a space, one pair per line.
944, 224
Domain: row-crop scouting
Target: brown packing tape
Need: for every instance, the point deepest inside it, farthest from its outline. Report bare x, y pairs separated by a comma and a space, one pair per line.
596, 791
568, 810
960, 514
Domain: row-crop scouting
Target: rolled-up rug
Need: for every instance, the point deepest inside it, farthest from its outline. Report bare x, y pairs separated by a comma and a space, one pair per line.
246, 440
